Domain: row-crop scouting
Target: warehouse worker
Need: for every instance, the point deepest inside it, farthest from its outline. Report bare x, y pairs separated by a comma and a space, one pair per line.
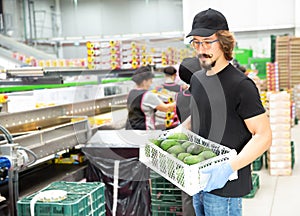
142, 103
225, 108
186, 69
170, 76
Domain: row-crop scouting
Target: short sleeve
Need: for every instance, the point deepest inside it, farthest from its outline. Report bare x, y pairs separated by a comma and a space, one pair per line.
248, 101
151, 100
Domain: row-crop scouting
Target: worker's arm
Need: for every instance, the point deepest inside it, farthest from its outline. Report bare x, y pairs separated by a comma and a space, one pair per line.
260, 142
169, 107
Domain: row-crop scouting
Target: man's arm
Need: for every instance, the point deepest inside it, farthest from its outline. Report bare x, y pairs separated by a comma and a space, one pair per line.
187, 123
260, 142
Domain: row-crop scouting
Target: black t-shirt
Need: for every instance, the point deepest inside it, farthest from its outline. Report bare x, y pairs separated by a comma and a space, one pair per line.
219, 105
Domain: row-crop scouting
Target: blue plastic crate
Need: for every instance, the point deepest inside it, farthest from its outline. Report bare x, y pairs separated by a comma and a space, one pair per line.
83, 199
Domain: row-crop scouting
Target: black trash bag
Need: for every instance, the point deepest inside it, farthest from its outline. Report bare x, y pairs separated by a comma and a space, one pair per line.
133, 197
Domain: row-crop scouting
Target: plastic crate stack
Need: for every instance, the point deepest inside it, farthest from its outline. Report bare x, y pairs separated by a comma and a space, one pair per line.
172, 55
130, 55
103, 55
272, 76
255, 183
165, 197
83, 198
279, 156
158, 56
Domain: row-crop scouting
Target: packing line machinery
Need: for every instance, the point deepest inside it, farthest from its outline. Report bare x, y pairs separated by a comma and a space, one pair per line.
33, 136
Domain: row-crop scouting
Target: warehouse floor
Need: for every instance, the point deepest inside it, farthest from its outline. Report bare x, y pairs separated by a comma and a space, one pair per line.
277, 195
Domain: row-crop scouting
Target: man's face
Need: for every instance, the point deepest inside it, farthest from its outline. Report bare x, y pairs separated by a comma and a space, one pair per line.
208, 50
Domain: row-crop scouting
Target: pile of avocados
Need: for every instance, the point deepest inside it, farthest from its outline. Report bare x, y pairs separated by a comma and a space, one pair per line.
179, 146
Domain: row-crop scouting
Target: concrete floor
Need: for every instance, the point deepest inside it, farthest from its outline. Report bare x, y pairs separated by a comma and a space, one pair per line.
277, 195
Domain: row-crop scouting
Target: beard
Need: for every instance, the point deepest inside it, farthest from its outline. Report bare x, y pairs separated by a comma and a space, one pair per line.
205, 61
208, 66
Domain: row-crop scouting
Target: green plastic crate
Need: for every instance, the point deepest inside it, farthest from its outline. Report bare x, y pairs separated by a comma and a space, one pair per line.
255, 182
165, 197
83, 199
165, 210
257, 164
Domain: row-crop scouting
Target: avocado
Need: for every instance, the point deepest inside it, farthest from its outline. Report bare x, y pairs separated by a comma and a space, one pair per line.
157, 142
194, 149
193, 159
176, 149
178, 136
208, 154
166, 144
186, 144
182, 155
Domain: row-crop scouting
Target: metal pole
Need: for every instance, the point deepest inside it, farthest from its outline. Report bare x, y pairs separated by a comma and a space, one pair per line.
30, 22
13, 187
34, 21
25, 25
2, 21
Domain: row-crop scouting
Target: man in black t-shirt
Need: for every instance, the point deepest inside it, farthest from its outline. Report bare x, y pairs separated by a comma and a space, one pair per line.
225, 108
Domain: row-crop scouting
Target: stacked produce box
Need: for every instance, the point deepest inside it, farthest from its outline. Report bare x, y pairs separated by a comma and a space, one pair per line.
279, 156
283, 58
103, 55
272, 76
130, 55
288, 57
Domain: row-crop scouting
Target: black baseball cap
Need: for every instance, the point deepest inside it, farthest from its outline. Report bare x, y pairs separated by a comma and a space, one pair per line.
207, 23
187, 67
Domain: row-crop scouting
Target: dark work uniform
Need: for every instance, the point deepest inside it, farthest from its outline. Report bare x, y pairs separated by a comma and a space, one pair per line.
183, 110
219, 105
172, 87
136, 117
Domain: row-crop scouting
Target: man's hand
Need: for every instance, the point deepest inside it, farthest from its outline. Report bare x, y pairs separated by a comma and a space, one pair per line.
219, 175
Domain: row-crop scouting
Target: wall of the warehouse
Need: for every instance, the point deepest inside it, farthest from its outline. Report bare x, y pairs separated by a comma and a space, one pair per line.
91, 17
253, 22
12, 21
94, 17
118, 17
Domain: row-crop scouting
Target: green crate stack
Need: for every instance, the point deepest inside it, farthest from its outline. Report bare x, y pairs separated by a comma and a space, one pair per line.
293, 153
255, 182
266, 159
165, 197
83, 199
257, 164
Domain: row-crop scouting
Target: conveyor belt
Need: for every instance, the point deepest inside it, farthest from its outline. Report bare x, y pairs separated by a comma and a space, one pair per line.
50, 129
32, 120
